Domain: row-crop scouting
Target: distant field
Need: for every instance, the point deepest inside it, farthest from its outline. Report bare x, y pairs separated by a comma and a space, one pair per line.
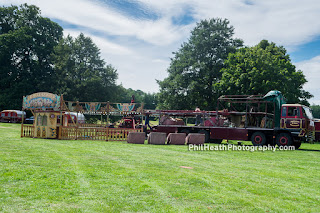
41, 175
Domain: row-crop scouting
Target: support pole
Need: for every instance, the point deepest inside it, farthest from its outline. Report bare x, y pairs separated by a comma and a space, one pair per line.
274, 115
22, 118
265, 117
108, 111
246, 122
22, 124
77, 126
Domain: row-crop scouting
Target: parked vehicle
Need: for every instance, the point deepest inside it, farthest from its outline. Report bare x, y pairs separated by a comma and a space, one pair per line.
75, 116
263, 120
12, 116
131, 122
29, 120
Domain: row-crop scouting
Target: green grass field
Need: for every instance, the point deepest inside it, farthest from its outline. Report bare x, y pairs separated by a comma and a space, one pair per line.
43, 175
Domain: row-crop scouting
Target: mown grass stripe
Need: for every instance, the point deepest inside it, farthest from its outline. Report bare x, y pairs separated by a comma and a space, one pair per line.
42, 175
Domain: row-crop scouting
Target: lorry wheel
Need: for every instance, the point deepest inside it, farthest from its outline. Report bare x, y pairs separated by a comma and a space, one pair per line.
206, 133
284, 139
258, 139
297, 144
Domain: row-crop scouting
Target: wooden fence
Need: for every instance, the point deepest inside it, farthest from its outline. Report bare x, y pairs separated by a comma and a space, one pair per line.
120, 134
86, 125
27, 131
105, 134
85, 133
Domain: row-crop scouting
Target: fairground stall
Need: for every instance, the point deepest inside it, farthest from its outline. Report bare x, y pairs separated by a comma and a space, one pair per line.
56, 118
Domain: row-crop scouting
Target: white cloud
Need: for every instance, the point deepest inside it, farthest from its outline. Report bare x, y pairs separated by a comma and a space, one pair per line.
104, 45
137, 68
98, 17
288, 22
311, 70
140, 48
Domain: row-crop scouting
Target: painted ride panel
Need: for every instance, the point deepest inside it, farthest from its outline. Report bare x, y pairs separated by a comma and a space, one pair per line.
45, 125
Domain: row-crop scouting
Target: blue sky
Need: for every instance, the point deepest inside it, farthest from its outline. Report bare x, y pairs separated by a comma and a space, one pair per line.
138, 36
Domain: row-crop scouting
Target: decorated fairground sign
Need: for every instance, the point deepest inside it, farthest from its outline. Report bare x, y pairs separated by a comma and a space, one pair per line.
48, 101
42, 101
103, 107
125, 107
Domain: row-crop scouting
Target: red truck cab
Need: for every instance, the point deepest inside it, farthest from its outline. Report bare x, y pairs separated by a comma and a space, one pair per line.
298, 119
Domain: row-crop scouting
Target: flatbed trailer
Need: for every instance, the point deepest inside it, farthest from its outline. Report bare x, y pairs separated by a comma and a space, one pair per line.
258, 136
217, 134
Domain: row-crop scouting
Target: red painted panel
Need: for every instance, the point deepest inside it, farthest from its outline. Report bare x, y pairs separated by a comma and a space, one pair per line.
317, 125
238, 134
229, 133
317, 129
13, 114
317, 136
282, 123
167, 129
303, 123
219, 133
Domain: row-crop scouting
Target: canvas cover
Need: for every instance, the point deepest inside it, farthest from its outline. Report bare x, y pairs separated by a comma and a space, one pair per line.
276, 97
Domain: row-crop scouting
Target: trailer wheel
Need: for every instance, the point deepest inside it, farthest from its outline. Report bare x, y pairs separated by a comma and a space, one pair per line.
258, 139
284, 139
206, 133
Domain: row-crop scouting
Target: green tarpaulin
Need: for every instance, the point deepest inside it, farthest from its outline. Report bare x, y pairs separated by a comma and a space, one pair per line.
276, 97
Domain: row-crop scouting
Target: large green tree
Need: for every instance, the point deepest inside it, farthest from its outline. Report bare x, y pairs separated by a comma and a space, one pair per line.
259, 69
316, 111
80, 72
26, 42
195, 68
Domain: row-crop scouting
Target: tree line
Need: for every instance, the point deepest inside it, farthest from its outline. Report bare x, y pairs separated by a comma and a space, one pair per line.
34, 56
